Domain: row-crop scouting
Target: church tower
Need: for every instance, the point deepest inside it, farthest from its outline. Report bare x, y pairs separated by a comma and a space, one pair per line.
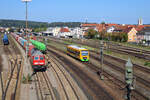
140, 21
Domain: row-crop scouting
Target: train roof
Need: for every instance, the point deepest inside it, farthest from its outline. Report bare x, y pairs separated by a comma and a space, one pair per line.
76, 47
39, 45
36, 53
5, 37
23, 39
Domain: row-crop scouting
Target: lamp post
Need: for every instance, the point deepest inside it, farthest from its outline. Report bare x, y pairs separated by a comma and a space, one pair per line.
26, 2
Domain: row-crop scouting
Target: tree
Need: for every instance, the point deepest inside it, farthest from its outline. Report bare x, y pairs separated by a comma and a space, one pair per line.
119, 37
92, 33
125, 37
11, 30
18, 29
103, 23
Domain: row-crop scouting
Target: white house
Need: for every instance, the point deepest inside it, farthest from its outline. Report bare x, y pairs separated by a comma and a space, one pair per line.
64, 32
56, 31
110, 29
77, 32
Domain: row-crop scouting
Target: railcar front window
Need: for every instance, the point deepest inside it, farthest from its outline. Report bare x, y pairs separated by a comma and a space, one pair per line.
41, 58
84, 53
36, 58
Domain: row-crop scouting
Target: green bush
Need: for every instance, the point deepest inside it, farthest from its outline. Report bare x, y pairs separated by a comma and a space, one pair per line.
147, 64
24, 79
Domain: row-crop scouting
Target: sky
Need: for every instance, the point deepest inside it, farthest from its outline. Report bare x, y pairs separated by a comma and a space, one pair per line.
109, 11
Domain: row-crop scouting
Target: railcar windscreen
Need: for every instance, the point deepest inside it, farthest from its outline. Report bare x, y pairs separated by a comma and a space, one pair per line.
84, 53
36, 58
41, 58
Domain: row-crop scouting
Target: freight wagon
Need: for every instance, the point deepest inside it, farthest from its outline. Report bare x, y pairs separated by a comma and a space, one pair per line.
39, 45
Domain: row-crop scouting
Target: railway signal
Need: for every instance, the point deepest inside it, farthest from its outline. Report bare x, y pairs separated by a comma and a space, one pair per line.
129, 78
101, 57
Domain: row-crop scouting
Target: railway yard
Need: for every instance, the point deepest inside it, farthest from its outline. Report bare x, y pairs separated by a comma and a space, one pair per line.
66, 77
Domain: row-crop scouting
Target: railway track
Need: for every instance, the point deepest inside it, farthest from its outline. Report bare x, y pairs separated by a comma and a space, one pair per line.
130, 48
145, 70
145, 82
44, 87
137, 54
118, 83
11, 81
65, 89
64, 80
98, 92
139, 78
116, 80
141, 73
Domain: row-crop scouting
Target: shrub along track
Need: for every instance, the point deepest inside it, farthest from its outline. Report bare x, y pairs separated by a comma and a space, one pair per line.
121, 82
11, 84
89, 82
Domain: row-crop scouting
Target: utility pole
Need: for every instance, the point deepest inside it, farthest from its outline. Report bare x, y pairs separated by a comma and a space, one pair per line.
26, 2
45, 41
129, 79
101, 56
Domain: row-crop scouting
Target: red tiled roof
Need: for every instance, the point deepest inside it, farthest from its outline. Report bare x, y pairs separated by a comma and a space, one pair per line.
64, 30
127, 30
110, 25
88, 25
101, 27
124, 29
139, 28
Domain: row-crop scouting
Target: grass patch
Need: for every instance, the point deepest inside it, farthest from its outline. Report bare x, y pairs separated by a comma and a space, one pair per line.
27, 79
84, 46
108, 52
58, 46
134, 45
147, 64
24, 79
67, 42
89, 48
